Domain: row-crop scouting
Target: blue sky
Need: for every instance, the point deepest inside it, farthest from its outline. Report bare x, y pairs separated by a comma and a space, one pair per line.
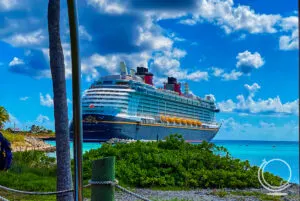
243, 52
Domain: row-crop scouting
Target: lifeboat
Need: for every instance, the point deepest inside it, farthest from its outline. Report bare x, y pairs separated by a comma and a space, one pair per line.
163, 118
183, 121
178, 120
194, 122
199, 123
189, 122
172, 119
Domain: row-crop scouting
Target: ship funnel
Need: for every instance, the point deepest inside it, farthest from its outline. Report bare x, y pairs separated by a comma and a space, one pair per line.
132, 72
186, 88
123, 68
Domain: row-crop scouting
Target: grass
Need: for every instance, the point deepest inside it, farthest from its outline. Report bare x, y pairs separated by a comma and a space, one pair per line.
31, 171
219, 193
14, 138
261, 196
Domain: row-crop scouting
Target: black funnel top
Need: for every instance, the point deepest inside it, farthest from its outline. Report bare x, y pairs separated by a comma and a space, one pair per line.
172, 80
142, 71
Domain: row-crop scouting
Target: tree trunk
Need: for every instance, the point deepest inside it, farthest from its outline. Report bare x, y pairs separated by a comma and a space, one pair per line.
64, 177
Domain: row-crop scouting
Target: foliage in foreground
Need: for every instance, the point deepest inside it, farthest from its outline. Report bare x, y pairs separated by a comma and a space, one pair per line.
4, 116
171, 164
32, 171
174, 162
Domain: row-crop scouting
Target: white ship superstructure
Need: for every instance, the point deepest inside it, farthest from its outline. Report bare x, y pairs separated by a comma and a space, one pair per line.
124, 103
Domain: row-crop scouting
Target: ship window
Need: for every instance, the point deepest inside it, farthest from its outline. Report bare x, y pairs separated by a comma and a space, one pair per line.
122, 83
107, 82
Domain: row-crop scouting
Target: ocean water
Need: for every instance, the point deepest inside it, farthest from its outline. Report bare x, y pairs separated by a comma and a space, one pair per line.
257, 151
253, 151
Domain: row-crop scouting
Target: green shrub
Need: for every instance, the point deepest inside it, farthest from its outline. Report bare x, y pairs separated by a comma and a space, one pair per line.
174, 162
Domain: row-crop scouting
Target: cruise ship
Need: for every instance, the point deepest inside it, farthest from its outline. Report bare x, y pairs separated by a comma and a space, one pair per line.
129, 106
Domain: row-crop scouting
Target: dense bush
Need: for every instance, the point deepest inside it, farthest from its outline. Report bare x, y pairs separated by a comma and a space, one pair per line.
31, 170
175, 163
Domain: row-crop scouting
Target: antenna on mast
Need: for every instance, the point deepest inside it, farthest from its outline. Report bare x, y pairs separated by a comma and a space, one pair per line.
123, 68
186, 88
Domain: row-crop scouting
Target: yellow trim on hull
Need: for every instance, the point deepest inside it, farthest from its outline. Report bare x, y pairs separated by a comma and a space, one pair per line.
127, 122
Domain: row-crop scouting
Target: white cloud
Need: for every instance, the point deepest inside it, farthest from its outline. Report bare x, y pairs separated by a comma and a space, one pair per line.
46, 100
246, 58
269, 106
24, 98
242, 37
248, 61
111, 7
227, 106
289, 42
266, 129
289, 23
167, 63
111, 63
188, 22
6, 5
197, 76
150, 36
159, 81
178, 53
16, 61
42, 119
217, 72
84, 34
233, 18
26, 40
266, 125
178, 39
233, 75
252, 88
210, 96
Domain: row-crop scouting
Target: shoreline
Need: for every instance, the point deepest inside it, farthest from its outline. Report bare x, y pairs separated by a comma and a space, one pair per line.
32, 144
250, 194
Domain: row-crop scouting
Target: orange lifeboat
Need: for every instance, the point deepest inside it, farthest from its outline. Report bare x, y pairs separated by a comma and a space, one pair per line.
163, 118
177, 120
199, 123
194, 122
189, 122
172, 119
183, 121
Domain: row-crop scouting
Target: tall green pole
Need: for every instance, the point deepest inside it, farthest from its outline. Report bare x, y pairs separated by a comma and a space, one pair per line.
77, 123
103, 170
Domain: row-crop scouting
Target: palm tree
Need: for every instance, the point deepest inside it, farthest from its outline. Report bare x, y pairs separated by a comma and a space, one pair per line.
4, 117
64, 177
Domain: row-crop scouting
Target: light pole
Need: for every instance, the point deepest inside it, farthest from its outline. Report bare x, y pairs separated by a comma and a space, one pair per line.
77, 123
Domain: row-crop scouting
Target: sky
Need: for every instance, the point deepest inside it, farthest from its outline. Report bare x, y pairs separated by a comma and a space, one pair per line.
244, 52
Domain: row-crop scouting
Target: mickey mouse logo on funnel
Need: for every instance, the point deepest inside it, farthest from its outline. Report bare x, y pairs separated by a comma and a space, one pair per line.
274, 190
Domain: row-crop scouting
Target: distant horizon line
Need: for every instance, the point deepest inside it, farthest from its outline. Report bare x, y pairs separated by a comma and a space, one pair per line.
256, 140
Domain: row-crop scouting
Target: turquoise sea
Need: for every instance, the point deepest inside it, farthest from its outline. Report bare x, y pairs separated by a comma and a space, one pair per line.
253, 151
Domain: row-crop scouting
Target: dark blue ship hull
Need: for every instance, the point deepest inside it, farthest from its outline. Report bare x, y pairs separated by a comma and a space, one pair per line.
102, 128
